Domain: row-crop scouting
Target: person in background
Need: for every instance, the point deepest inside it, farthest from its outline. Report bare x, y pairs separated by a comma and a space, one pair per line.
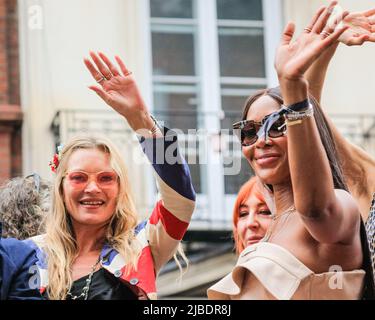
358, 166
251, 216
18, 272
24, 204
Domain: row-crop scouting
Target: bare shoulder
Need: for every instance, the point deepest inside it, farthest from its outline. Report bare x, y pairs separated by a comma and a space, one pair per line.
339, 223
348, 203
350, 216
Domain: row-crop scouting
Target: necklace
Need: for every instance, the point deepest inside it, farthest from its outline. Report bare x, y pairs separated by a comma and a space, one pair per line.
275, 219
85, 290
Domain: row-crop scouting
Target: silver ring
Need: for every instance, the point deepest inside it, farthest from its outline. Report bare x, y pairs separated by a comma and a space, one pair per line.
308, 30
128, 74
101, 80
325, 34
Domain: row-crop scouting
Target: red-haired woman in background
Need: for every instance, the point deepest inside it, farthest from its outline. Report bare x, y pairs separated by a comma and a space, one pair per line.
251, 216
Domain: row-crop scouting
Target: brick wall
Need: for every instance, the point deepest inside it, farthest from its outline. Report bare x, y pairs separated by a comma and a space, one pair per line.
10, 111
3, 54
5, 159
13, 53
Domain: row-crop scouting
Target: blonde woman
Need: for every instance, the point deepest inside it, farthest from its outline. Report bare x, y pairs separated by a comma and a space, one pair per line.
94, 247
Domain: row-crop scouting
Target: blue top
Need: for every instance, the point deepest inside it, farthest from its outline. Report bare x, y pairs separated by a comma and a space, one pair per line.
17, 268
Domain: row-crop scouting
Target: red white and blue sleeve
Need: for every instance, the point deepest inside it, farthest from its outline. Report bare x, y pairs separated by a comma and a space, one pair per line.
172, 213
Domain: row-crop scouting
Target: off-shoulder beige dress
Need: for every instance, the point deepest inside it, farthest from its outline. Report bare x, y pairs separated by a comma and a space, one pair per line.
266, 271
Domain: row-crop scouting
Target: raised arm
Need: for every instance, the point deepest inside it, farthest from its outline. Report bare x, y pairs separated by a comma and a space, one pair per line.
356, 163
172, 213
119, 90
329, 215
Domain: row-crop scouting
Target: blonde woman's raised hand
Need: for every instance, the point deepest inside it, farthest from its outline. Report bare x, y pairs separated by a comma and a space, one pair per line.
361, 28
117, 87
293, 58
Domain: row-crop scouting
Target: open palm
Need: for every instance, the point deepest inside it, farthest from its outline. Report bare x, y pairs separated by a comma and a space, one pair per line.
118, 90
361, 28
294, 58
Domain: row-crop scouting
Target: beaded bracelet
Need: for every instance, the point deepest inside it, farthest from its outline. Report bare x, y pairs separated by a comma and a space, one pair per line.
299, 106
293, 115
294, 118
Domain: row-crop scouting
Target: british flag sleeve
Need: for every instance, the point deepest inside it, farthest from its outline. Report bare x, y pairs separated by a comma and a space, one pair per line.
172, 213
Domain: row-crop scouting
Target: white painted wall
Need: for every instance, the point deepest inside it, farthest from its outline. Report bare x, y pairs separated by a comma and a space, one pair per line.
55, 35
350, 85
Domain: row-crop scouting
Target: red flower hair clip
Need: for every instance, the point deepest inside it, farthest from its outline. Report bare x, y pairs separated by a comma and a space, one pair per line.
54, 164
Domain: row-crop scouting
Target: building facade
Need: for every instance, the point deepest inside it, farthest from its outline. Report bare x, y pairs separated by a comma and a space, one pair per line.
196, 62
10, 109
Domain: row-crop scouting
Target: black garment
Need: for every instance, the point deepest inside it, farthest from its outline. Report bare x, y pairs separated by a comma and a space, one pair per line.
370, 228
369, 256
104, 286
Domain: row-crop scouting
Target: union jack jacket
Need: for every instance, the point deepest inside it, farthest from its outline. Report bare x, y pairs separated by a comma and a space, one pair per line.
161, 233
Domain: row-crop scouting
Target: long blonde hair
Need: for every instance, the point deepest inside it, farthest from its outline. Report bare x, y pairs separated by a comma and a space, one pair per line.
60, 243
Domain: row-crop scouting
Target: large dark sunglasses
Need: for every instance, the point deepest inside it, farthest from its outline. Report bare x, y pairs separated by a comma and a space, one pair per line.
246, 130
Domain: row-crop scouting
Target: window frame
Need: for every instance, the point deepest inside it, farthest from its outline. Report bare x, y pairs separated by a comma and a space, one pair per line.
210, 206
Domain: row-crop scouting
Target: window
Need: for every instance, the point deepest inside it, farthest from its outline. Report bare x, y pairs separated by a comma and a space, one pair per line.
242, 67
207, 58
175, 80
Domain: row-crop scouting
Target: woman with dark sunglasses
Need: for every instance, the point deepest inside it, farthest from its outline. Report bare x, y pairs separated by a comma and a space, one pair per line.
357, 165
317, 226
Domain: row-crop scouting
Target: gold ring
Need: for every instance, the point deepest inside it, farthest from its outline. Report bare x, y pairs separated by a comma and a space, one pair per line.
325, 34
